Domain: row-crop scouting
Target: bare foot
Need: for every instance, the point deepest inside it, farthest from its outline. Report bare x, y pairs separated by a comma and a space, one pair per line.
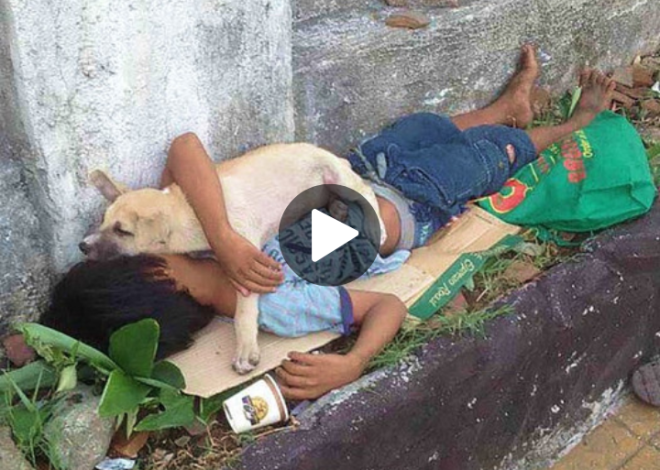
516, 99
597, 91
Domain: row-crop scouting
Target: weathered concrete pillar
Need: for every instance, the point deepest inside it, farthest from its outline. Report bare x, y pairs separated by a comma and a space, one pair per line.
108, 84
90, 84
24, 257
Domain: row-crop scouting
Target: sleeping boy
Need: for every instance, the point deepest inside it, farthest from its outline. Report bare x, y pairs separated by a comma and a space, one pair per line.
424, 169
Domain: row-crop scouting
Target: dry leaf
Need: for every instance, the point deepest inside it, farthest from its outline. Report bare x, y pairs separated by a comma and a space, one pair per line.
624, 76
408, 19
17, 351
642, 77
129, 447
457, 305
652, 107
521, 272
634, 93
624, 100
541, 100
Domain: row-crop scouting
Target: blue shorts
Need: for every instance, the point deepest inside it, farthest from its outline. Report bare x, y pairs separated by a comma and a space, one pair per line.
438, 166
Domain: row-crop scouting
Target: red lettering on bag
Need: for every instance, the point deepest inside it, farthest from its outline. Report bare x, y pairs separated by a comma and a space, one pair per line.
544, 167
573, 161
576, 177
568, 146
573, 165
506, 203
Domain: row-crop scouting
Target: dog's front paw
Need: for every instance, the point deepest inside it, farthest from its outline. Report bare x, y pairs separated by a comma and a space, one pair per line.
246, 360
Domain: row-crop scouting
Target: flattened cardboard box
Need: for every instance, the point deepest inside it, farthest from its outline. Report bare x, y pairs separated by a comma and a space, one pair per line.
206, 365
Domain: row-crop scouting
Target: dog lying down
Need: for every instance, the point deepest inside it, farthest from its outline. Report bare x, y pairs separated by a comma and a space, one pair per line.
257, 187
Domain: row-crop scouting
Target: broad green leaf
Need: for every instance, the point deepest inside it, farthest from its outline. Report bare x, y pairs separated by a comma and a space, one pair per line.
469, 283
209, 407
165, 375
27, 377
68, 379
155, 383
133, 347
179, 411
122, 394
36, 334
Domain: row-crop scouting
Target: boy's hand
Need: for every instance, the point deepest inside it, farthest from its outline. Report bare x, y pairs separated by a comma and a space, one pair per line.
308, 376
249, 269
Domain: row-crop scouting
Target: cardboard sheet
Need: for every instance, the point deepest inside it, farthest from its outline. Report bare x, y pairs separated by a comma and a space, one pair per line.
207, 364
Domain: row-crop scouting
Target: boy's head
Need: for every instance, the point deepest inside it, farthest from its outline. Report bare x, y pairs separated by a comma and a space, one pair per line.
95, 298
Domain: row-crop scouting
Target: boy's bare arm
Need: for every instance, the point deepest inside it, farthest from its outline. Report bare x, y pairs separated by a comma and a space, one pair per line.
189, 166
307, 376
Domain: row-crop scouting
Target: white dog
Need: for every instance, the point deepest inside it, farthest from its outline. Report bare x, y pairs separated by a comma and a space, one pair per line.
257, 188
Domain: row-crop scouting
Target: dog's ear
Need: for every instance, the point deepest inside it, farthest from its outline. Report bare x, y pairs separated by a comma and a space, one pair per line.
108, 188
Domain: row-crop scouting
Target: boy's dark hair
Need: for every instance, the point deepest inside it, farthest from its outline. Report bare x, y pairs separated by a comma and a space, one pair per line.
95, 298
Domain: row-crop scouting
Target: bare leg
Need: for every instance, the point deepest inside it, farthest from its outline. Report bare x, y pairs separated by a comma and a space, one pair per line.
597, 92
514, 107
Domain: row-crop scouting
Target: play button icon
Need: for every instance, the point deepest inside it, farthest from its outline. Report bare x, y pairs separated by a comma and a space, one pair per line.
329, 235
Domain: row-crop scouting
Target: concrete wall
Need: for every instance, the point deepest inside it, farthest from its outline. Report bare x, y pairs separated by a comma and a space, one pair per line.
90, 84
25, 271
353, 74
95, 83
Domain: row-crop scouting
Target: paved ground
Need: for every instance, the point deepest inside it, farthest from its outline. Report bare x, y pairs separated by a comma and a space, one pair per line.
629, 440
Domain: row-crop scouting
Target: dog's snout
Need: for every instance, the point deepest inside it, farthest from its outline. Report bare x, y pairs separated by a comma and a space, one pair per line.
84, 247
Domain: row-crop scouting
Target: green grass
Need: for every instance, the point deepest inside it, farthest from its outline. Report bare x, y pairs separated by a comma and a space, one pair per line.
26, 416
653, 153
489, 284
559, 110
415, 335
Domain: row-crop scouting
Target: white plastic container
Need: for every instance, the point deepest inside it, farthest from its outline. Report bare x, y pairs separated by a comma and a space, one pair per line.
261, 404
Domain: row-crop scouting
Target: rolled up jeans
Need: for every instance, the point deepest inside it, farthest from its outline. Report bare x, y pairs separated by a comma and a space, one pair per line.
432, 162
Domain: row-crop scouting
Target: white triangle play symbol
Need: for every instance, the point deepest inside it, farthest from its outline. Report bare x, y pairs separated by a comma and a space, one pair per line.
328, 234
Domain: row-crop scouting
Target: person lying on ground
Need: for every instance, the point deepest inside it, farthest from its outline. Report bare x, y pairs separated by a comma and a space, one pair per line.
425, 168
183, 295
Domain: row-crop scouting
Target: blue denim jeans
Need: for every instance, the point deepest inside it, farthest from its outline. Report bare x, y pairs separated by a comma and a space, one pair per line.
440, 167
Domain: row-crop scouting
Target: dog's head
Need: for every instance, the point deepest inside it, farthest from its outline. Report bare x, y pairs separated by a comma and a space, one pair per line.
136, 221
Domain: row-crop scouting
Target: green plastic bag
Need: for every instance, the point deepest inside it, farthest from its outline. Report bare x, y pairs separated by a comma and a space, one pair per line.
597, 177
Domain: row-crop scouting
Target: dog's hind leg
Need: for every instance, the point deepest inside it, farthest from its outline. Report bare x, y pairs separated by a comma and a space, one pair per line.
246, 328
